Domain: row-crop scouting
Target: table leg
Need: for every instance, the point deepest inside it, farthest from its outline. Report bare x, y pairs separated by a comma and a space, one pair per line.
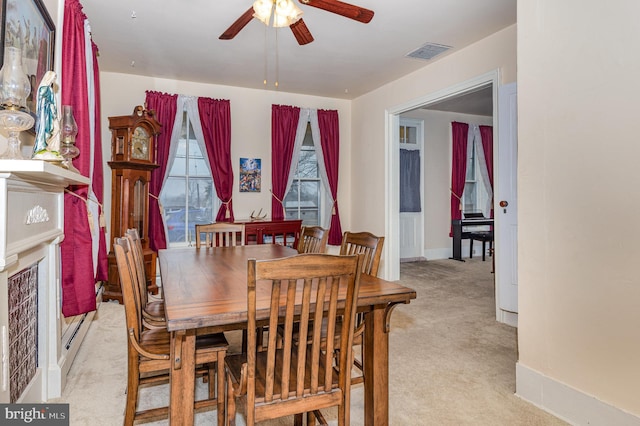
182, 377
456, 226
376, 367
221, 394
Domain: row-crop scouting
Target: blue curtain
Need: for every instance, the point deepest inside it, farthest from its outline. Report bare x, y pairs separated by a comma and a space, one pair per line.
409, 181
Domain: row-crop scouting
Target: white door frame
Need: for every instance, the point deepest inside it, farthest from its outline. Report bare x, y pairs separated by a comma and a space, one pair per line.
392, 160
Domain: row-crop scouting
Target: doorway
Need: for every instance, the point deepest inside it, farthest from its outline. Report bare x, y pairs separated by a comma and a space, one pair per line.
488, 81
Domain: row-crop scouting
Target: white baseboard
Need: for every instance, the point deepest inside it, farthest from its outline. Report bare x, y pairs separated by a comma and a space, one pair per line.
508, 318
439, 253
569, 404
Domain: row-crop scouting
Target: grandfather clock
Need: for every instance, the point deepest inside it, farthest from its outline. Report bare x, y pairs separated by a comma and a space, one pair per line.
133, 154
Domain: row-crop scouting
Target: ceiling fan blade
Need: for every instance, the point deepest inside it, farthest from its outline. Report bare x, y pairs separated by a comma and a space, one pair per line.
347, 10
301, 32
240, 23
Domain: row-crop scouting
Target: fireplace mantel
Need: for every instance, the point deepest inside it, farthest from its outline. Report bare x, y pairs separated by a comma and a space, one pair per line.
42, 171
31, 230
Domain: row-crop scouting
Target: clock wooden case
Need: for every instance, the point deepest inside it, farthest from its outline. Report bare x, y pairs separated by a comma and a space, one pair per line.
133, 154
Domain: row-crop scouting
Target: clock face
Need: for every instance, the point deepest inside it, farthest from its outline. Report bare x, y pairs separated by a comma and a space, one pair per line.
140, 144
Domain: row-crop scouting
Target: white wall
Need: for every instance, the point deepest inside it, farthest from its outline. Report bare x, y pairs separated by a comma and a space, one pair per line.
250, 129
437, 176
579, 287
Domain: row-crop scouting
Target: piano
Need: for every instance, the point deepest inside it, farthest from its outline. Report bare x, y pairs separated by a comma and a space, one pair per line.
470, 219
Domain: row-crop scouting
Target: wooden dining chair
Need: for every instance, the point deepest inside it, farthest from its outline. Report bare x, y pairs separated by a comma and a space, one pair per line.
298, 378
148, 351
220, 234
313, 239
153, 314
364, 243
370, 246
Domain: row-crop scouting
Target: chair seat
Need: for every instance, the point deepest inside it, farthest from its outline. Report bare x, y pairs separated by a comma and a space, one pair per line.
155, 310
481, 235
158, 341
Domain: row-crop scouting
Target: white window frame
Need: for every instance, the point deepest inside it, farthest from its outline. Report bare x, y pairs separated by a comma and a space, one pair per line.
483, 195
184, 122
322, 196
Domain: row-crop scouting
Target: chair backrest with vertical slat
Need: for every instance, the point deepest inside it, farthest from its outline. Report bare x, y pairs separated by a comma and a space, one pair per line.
301, 371
364, 243
128, 280
138, 257
313, 239
220, 234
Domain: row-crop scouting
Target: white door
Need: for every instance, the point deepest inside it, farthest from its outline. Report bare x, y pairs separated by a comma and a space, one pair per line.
506, 200
411, 138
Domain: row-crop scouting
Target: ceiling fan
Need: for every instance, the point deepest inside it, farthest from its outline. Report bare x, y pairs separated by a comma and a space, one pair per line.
297, 25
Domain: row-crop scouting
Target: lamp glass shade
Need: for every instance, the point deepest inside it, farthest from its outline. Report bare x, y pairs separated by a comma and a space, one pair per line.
69, 128
285, 12
14, 84
262, 10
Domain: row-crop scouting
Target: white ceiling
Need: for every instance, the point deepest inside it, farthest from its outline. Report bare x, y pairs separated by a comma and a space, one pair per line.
478, 102
178, 39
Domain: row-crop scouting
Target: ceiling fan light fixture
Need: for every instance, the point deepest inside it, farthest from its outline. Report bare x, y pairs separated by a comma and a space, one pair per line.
285, 12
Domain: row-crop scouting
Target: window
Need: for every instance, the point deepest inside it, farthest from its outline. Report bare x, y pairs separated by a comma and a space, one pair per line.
304, 199
408, 133
475, 195
188, 194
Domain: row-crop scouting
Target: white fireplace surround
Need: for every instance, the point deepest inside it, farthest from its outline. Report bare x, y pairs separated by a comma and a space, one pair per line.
31, 230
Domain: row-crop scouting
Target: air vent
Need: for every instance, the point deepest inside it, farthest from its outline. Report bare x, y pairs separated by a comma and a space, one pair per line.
428, 51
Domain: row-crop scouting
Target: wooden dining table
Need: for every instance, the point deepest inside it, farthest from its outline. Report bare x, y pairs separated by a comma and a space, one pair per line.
207, 287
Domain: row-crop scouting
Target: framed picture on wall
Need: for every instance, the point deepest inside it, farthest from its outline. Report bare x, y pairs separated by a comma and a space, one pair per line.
2, 7
26, 24
250, 171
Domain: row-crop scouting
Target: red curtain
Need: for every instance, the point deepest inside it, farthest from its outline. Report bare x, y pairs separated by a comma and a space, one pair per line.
165, 106
102, 273
215, 117
78, 280
486, 134
284, 122
459, 133
330, 140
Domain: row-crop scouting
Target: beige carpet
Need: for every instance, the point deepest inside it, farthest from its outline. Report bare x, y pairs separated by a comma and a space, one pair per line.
451, 363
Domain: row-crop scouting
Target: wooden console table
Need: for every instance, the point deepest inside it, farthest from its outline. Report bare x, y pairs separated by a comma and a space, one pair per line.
285, 231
